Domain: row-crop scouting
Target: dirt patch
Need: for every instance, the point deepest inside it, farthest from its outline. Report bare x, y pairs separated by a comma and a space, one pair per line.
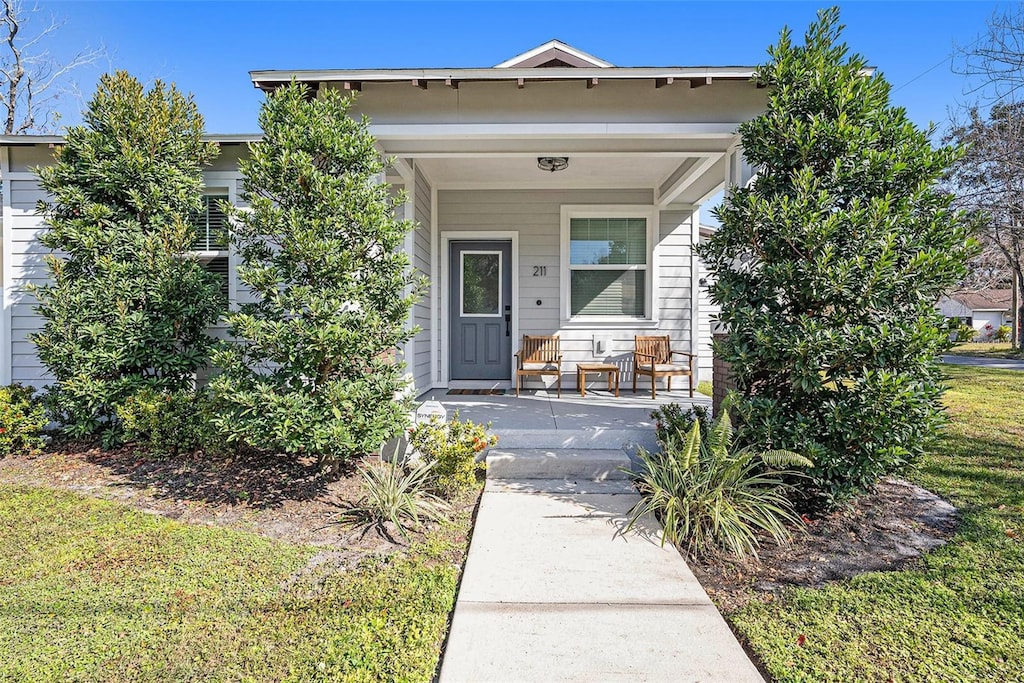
283, 498
882, 531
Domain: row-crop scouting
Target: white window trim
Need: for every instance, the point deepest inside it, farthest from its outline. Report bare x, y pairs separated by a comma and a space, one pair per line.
225, 182
443, 244
647, 212
208, 254
462, 283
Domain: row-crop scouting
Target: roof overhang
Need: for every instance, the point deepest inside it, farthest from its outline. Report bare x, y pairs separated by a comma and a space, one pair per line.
695, 76
29, 140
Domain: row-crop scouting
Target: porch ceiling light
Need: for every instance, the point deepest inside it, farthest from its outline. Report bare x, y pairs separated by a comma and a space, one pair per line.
552, 163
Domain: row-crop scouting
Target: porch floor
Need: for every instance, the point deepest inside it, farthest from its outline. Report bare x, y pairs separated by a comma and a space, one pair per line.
539, 419
543, 410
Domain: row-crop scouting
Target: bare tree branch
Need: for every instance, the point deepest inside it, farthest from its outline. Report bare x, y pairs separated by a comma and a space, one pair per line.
33, 80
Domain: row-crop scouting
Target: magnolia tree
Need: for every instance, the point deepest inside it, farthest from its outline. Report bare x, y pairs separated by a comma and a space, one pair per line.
828, 266
126, 307
314, 369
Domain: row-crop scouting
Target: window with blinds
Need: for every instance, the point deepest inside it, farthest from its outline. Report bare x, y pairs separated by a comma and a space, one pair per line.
219, 267
608, 267
211, 225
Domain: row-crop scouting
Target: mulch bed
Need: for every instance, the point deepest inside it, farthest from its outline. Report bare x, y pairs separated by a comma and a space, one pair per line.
882, 531
279, 497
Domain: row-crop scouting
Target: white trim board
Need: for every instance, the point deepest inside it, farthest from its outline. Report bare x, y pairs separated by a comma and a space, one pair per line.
501, 131
442, 287
7, 361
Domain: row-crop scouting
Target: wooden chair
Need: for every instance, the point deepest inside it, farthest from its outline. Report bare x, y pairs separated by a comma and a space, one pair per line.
652, 357
539, 356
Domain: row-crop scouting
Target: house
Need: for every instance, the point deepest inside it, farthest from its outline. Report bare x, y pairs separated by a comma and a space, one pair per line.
554, 193
985, 311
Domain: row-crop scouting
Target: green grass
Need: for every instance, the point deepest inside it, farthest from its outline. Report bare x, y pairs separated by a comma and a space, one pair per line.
93, 591
986, 350
958, 615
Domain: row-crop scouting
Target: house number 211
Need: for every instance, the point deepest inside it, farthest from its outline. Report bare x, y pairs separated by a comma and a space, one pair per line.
540, 271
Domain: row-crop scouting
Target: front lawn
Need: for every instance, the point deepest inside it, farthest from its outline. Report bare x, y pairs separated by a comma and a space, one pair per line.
986, 350
92, 590
958, 613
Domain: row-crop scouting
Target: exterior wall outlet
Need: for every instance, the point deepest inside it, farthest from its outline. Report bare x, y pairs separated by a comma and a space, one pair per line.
602, 345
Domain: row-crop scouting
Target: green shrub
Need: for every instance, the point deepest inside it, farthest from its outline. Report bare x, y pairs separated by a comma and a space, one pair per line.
313, 369
126, 308
168, 423
966, 333
1003, 333
395, 494
22, 419
452, 447
672, 422
828, 264
708, 496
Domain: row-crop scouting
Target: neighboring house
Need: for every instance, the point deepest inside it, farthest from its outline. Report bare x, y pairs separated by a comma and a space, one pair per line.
985, 311
554, 194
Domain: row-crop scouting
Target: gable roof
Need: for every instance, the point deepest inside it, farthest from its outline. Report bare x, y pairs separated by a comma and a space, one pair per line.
553, 53
985, 300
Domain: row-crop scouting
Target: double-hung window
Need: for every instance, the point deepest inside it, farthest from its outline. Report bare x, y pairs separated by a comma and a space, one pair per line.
210, 241
608, 265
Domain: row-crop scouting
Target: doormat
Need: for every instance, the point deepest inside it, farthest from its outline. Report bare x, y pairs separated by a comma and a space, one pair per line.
476, 392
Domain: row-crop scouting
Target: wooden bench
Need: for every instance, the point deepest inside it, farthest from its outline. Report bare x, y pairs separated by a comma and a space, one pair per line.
652, 357
539, 356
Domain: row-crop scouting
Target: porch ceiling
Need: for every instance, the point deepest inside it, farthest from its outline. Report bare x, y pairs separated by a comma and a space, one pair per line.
583, 171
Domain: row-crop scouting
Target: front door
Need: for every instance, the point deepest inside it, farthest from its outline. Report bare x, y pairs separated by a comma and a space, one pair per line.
480, 310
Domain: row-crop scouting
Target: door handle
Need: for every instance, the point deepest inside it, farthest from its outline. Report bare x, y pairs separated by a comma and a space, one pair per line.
508, 321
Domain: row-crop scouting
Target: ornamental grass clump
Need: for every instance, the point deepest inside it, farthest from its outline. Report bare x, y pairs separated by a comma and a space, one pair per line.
710, 497
453, 447
397, 495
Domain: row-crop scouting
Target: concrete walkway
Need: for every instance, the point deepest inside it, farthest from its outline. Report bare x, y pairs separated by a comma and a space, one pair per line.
994, 363
554, 591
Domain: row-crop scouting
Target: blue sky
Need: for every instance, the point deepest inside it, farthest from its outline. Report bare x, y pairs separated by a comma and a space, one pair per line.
208, 48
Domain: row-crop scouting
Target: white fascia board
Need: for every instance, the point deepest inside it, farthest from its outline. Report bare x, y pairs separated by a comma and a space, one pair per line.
744, 73
456, 131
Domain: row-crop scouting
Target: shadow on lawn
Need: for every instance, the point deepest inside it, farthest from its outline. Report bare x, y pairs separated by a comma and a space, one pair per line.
256, 480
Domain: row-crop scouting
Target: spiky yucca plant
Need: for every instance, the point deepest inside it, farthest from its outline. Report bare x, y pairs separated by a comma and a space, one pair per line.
397, 495
709, 497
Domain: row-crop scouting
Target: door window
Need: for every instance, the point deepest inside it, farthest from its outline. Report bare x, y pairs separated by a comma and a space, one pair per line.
481, 283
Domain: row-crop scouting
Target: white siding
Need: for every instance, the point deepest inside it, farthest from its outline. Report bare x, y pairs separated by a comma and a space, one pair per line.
536, 215
27, 267
421, 261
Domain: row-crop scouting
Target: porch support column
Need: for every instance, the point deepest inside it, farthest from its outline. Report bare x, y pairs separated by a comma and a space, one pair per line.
695, 289
406, 170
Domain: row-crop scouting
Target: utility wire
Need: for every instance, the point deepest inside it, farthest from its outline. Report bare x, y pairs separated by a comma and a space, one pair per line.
933, 68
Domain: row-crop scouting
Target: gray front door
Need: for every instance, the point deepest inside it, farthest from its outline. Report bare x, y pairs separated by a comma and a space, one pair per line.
480, 310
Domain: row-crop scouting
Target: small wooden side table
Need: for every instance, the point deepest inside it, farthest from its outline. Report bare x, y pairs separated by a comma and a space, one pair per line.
583, 368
